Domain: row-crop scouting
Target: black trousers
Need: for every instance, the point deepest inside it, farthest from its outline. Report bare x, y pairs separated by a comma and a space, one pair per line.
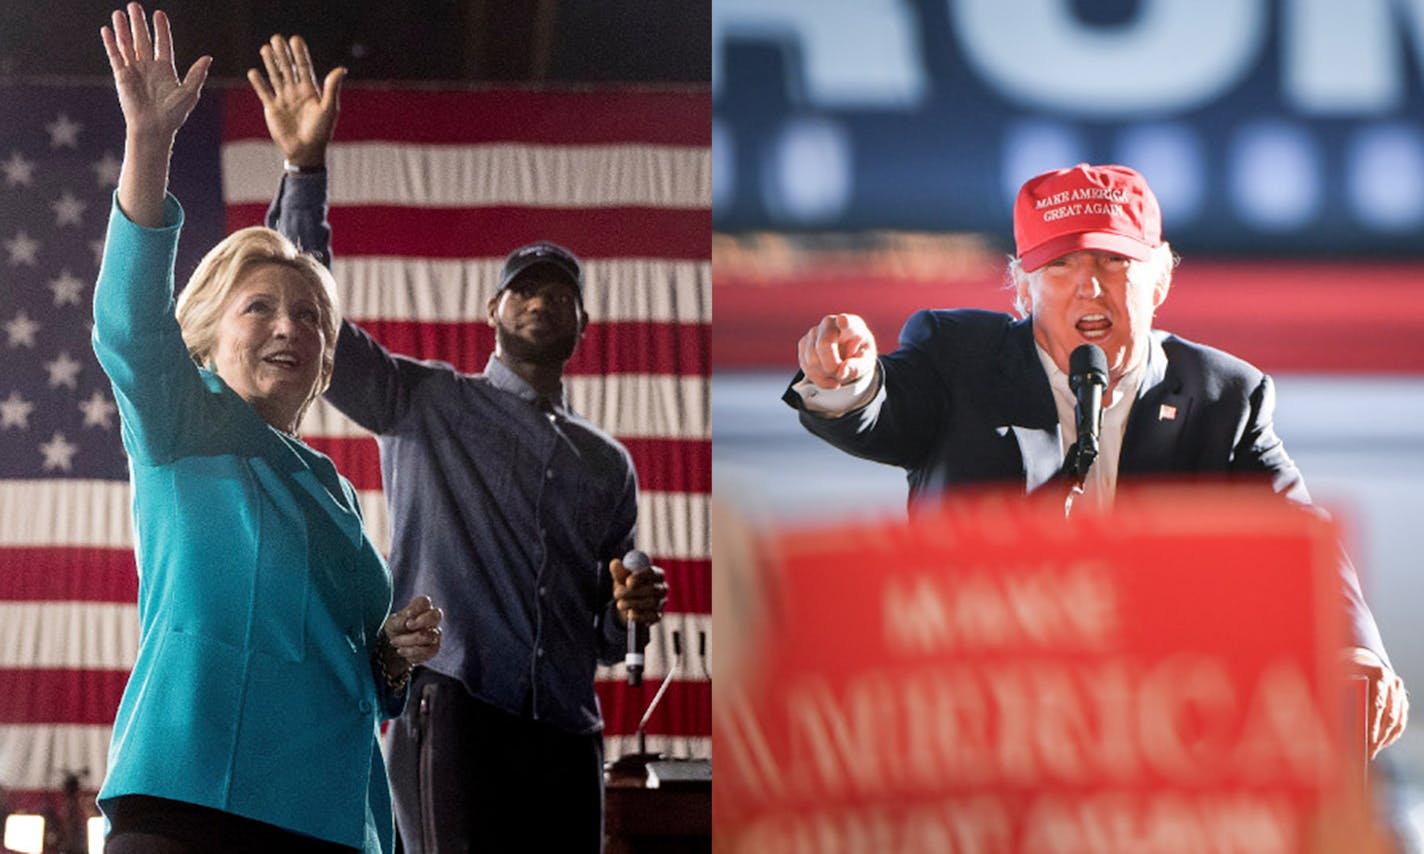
140, 824
468, 777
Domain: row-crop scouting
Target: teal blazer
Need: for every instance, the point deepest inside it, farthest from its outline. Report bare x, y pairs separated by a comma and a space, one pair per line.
260, 596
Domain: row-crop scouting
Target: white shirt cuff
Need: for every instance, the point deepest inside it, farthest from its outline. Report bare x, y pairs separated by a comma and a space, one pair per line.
831, 402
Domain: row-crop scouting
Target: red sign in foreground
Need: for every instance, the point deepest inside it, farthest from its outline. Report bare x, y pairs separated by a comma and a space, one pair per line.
997, 679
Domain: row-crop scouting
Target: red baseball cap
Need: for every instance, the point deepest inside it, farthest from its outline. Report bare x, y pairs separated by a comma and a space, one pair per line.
1086, 207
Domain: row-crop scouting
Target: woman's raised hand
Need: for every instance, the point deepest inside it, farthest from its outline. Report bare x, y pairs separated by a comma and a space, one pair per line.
155, 102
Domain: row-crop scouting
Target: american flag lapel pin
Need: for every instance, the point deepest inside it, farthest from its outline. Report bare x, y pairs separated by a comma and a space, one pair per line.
1166, 413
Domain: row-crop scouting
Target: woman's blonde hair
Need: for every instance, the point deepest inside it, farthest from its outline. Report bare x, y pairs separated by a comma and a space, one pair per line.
201, 304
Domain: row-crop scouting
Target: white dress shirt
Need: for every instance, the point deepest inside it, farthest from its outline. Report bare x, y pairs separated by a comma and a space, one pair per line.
1101, 484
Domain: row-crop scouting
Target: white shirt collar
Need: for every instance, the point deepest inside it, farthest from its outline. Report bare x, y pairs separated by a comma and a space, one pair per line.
1126, 388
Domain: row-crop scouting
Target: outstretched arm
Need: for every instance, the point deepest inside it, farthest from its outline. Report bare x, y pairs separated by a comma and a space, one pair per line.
155, 104
160, 395
369, 385
301, 119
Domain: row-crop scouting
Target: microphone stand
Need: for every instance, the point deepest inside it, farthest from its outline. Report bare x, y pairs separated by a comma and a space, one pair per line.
638, 762
702, 653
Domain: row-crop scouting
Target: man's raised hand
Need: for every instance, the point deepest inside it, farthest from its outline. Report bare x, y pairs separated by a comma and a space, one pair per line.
837, 351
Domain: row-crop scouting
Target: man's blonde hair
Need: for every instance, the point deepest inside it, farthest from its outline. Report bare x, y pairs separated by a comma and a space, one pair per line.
201, 304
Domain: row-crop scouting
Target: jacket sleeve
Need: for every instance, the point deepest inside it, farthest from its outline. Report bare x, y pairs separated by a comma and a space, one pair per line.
369, 385
160, 393
1261, 451
899, 424
298, 211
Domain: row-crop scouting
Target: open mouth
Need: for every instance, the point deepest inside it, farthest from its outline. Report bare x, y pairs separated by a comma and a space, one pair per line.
284, 360
1092, 326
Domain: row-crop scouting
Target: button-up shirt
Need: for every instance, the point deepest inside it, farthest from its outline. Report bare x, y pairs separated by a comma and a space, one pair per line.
505, 509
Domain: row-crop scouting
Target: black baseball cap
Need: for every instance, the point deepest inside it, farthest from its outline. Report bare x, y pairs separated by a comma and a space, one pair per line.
552, 255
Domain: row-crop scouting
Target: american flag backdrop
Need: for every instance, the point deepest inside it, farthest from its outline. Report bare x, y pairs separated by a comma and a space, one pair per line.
429, 189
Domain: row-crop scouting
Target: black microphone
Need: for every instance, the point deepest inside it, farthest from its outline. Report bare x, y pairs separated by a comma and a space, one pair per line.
635, 562
1088, 378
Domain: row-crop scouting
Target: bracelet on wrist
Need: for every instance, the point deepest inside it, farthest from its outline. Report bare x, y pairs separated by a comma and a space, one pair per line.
293, 169
393, 684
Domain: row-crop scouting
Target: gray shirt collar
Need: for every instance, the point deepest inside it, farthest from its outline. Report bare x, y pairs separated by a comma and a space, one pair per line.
504, 379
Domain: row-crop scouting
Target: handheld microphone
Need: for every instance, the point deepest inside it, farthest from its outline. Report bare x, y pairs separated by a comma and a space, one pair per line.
1088, 379
635, 562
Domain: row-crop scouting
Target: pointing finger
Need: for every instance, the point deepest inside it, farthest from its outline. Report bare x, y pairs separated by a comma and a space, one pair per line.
828, 346
856, 339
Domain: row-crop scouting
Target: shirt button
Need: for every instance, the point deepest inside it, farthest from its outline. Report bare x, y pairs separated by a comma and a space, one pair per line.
365, 707
543, 590
539, 653
548, 474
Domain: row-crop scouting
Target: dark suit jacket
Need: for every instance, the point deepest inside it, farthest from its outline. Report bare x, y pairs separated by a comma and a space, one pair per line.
965, 401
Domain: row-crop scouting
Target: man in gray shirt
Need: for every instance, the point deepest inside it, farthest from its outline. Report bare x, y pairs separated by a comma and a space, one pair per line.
508, 508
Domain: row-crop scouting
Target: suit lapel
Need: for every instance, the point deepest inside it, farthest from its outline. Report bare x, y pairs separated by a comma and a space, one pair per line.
310, 470
335, 505
317, 477
1154, 428
1025, 402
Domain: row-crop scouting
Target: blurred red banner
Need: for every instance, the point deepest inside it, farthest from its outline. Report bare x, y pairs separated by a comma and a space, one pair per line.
993, 678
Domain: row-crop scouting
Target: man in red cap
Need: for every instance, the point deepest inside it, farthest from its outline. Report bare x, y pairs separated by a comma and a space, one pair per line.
975, 397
